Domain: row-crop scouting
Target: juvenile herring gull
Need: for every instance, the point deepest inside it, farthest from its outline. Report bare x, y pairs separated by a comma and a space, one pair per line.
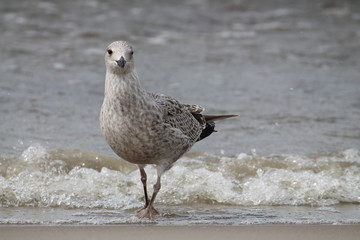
143, 127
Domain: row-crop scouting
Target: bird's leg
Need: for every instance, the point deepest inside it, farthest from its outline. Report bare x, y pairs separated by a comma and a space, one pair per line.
150, 211
143, 180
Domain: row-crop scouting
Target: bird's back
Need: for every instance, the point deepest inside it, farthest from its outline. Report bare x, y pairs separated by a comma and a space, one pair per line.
179, 116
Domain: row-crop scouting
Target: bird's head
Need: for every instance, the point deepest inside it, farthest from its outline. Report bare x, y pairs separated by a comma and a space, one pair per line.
119, 57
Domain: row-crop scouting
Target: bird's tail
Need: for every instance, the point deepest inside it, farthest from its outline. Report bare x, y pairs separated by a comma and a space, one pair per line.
210, 124
211, 118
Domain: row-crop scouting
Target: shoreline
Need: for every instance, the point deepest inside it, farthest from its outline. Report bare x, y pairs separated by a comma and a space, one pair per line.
149, 232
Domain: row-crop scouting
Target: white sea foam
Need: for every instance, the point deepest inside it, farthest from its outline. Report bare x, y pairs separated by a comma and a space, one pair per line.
74, 179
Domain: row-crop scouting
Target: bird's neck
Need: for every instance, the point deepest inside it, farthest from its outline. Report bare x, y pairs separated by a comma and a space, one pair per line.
122, 85
124, 93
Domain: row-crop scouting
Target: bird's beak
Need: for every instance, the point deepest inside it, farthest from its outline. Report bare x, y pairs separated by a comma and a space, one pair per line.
121, 62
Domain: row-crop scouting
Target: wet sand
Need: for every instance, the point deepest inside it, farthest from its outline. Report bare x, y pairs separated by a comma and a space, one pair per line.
271, 232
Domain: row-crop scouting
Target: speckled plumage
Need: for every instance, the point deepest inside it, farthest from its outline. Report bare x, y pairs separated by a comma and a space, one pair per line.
143, 127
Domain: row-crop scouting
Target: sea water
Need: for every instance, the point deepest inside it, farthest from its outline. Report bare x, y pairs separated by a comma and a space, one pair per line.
76, 187
290, 70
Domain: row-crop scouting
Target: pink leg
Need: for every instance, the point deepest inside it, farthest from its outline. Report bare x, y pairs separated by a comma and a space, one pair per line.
143, 180
150, 211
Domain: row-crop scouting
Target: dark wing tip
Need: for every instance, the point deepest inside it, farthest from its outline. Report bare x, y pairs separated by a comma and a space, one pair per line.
207, 131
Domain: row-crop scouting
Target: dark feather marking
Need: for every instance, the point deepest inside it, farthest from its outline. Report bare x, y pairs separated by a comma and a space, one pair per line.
207, 131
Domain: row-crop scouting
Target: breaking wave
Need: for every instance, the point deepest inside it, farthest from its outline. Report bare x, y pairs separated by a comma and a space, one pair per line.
79, 179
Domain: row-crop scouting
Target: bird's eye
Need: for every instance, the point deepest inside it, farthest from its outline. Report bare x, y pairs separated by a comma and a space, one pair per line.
132, 53
109, 51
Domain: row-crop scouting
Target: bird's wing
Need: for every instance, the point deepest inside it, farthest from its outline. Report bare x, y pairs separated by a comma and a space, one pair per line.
196, 111
181, 116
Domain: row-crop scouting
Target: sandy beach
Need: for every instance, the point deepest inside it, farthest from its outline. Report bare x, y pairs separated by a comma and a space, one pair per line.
279, 232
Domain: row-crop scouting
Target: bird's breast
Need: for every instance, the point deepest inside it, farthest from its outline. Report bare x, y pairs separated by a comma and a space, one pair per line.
130, 134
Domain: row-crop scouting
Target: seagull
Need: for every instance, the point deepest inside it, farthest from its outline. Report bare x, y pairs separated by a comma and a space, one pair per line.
147, 128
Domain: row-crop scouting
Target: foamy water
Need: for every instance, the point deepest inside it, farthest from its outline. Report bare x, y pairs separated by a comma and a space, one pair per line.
215, 184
